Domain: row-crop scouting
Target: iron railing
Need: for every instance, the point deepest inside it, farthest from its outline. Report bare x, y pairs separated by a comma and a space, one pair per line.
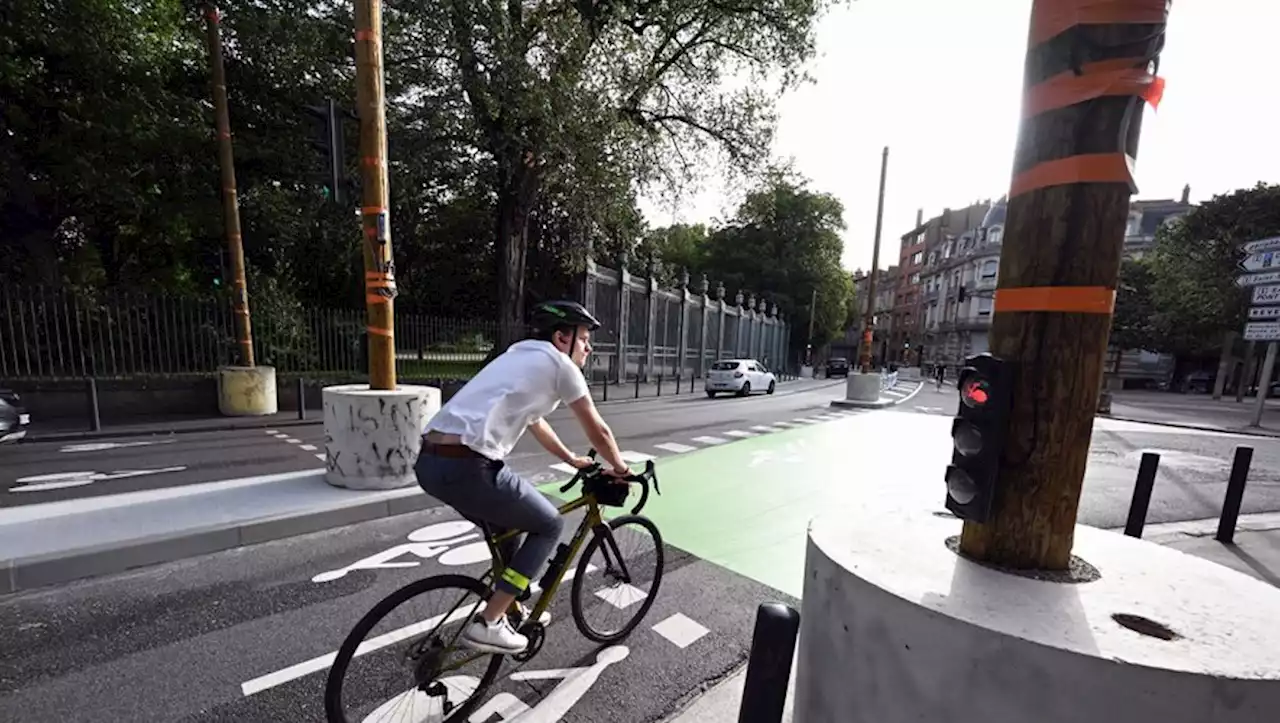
49, 333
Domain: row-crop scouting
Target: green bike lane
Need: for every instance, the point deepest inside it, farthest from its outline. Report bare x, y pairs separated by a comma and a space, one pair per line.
746, 506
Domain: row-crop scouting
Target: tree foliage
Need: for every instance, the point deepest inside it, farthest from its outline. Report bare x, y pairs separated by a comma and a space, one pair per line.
783, 243
1194, 266
1134, 324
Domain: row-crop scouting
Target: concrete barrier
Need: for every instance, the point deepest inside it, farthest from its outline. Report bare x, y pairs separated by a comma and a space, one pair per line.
373, 436
247, 391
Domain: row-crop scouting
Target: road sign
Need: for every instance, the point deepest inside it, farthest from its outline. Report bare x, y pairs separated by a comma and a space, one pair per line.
1267, 294
1267, 277
1260, 261
1262, 331
1264, 312
1264, 244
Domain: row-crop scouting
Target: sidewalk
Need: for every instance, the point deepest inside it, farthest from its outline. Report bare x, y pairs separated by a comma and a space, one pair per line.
72, 430
1256, 552
1195, 411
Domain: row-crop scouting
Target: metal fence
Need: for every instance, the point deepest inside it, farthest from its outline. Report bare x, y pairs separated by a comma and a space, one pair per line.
58, 333
649, 332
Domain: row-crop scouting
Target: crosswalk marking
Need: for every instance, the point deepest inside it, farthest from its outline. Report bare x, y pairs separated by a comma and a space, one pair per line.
739, 434
709, 440
308, 447
675, 447
291, 440
763, 428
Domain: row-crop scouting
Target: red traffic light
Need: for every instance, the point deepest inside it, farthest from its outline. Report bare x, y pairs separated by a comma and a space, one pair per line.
975, 392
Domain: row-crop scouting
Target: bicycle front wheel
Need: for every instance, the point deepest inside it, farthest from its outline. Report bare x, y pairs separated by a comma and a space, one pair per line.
617, 579
404, 661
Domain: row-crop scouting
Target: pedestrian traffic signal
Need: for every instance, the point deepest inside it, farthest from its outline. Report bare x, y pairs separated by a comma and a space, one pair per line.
978, 436
327, 138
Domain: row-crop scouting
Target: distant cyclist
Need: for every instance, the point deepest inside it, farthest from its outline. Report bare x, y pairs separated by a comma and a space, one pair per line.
940, 374
466, 442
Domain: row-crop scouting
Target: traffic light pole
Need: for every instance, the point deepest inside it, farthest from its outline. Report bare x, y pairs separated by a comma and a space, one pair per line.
230, 204
869, 327
379, 269
1086, 75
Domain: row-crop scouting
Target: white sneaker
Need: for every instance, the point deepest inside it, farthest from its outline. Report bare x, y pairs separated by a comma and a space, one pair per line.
497, 637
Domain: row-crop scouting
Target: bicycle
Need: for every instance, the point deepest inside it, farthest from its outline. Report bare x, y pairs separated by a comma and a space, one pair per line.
427, 654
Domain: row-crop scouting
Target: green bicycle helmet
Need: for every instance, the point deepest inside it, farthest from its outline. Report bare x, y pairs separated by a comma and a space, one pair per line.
551, 315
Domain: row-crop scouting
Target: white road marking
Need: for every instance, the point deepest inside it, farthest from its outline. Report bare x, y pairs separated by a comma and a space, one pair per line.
764, 428
281, 436
323, 662
805, 420
64, 480
308, 448
623, 596
291, 440
320, 455
680, 630
784, 424
675, 447
102, 446
739, 434
636, 457
564, 467
273, 431
709, 440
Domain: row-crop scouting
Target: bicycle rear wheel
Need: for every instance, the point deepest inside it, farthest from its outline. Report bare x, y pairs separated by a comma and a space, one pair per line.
404, 662
617, 579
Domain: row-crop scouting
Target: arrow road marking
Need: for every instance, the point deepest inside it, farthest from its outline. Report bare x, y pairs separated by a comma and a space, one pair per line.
102, 446
64, 480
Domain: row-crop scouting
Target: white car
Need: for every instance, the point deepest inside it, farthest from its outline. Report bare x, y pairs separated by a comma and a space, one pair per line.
739, 376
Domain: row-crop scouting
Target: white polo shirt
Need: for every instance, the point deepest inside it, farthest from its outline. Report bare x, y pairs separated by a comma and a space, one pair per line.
524, 384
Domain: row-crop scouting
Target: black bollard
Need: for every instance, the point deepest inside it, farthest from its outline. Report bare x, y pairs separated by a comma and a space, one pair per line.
1142, 494
659, 386
1235, 495
95, 417
637, 384
302, 399
773, 644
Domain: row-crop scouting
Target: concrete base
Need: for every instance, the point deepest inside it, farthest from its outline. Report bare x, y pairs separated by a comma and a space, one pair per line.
247, 391
862, 391
373, 437
807, 372
896, 627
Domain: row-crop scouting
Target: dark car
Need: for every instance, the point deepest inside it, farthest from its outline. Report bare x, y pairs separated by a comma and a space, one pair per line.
13, 417
837, 367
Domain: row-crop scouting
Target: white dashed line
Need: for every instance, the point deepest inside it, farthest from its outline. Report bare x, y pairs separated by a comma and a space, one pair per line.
763, 428
804, 420
563, 467
320, 455
308, 447
636, 457
675, 447
709, 440
291, 440
680, 630
273, 431
739, 434
281, 436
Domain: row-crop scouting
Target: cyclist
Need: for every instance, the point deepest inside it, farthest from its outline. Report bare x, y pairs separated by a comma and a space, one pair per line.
465, 443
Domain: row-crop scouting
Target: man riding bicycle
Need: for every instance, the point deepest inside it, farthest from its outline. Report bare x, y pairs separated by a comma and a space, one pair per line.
465, 443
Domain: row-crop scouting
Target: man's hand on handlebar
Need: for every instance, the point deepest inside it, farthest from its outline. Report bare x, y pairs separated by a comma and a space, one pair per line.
580, 462
619, 472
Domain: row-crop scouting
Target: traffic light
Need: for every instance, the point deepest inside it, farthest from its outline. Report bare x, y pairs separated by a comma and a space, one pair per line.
978, 434
327, 137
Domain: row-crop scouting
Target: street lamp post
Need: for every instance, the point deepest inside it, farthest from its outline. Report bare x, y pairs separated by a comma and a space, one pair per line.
869, 327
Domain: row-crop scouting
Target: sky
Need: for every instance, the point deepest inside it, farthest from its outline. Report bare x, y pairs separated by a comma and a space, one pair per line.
940, 83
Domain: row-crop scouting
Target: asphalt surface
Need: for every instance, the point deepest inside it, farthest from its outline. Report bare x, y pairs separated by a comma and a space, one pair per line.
37, 472
241, 635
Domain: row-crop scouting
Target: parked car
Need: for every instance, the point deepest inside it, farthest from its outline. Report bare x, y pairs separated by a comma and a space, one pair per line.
837, 367
13, 417
739, 376
1198, 383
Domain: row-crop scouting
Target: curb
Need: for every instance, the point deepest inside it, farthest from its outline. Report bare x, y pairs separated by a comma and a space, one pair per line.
37, 571
883, 402
209, 427
1253, 522
1198, 427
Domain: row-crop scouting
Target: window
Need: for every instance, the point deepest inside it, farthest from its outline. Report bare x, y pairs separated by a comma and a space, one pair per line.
989, 269
915, 258
995, 234
724, 366
1134, 224
984, 306
915, 278
933, 257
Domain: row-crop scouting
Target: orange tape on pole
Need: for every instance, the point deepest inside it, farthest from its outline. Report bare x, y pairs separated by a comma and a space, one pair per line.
1052, 17
1085, 168
1127, 76
1062, 299
380, 332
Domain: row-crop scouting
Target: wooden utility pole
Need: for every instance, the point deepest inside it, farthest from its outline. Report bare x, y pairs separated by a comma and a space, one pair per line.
869, 326
1264, 384
379, 269
230, 204
1088, 69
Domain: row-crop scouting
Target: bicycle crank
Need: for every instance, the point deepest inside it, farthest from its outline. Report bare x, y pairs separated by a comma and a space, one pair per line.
537, 635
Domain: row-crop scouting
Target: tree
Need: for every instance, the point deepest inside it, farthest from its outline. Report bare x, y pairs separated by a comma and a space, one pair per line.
582, 90
1133, 323
784, 242
1194, 265
680, 247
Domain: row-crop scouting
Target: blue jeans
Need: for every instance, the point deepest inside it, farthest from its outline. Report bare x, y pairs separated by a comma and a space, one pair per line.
482, 490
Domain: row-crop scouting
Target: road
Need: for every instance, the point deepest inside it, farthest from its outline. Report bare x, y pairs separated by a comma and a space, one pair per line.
244, 635
33, 473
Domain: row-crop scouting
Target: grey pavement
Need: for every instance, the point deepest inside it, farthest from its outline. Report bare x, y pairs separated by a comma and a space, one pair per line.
1196, 411
247, 634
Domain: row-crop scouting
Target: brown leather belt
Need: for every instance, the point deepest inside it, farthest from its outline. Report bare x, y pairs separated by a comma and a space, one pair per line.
452, 451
